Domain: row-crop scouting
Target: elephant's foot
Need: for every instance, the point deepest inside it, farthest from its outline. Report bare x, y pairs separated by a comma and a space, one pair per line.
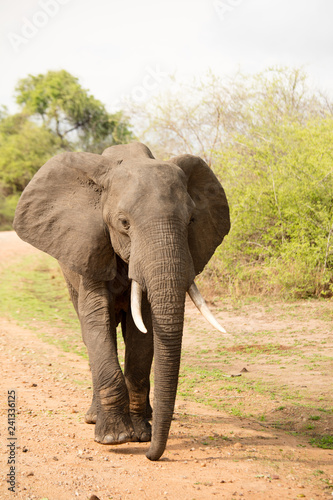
114, 430
142, 429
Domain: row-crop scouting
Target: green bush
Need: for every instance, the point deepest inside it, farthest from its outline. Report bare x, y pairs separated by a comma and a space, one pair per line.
280, 188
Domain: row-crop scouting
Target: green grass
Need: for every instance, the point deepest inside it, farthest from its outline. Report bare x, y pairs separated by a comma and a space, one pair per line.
34, 294
34, 290
203, 378
325, 442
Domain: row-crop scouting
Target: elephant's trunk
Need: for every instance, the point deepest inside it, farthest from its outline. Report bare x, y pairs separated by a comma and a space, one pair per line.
168, 319
168, 274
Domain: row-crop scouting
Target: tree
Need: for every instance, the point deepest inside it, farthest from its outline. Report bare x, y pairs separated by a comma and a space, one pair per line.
66, 109
24, 147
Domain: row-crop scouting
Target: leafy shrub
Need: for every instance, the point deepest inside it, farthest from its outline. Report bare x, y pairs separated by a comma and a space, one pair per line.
280, 187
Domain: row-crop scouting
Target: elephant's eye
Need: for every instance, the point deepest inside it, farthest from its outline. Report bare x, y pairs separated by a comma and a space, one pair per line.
125, 224
191, 221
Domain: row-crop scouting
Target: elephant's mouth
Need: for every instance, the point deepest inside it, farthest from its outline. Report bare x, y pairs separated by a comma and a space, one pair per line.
196, 297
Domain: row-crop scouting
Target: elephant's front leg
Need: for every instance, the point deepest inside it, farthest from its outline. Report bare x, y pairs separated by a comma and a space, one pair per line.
138, 360
113, 422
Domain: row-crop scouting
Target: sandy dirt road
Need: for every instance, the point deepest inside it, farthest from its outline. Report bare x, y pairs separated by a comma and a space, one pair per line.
57, 458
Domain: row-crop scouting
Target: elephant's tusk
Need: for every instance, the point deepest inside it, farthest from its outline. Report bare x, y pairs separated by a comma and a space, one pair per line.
199, 301
136, 299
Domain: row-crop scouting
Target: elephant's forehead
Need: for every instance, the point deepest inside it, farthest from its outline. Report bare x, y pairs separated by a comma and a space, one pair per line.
148, 188
151, 174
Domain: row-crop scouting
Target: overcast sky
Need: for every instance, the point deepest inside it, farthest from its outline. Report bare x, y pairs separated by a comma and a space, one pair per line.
125, 47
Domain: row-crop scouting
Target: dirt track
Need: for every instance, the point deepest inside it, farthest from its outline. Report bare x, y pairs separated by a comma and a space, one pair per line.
58, 458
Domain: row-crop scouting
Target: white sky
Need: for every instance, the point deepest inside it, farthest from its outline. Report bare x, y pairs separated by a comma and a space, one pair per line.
113, 46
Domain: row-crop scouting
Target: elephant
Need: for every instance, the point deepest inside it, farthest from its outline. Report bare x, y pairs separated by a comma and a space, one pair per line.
130, 233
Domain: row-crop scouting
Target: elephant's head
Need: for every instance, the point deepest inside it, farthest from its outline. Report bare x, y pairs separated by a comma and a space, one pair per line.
164, 218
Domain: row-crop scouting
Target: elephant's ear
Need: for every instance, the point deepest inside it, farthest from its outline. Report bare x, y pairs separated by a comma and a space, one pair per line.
211, 217
60, 213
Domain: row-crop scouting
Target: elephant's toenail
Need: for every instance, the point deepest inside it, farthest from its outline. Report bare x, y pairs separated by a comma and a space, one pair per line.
109, 439
122, 438
90, 419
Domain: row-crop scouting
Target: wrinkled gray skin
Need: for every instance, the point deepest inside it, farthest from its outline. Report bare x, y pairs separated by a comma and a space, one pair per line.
109, 219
